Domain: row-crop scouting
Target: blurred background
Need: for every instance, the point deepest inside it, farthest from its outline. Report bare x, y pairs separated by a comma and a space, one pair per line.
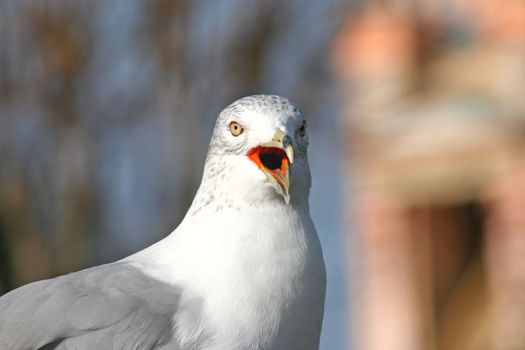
417, 127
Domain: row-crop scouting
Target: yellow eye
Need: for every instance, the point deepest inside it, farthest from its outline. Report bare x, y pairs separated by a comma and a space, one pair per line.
236, 128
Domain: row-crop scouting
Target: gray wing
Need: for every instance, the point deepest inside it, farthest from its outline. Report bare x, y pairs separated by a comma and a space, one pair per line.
113, 306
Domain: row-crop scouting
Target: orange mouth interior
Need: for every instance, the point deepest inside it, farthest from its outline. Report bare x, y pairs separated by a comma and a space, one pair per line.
272, 159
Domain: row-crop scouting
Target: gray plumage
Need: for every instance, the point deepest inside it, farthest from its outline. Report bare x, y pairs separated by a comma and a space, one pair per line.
113, 306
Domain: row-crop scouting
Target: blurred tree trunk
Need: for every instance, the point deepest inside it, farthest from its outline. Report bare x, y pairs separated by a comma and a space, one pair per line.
6, 269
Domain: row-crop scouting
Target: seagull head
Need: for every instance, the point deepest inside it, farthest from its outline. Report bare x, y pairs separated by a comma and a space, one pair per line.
259, 148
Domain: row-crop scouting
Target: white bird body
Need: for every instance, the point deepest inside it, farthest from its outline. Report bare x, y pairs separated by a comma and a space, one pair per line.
254, 284
243, 271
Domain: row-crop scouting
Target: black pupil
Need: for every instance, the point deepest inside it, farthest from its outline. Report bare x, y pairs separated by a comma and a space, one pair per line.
271, 161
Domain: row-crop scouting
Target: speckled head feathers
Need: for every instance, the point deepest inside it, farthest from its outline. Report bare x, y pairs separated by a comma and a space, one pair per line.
265, 104
257, 112
233, 179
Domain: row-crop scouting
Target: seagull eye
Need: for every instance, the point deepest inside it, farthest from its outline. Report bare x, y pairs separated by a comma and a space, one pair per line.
302, 129
236, 129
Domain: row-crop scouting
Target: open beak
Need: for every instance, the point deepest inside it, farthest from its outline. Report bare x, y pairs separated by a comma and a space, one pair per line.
274, 159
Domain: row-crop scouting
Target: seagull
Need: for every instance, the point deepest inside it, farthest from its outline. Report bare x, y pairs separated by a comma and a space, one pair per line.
244, 269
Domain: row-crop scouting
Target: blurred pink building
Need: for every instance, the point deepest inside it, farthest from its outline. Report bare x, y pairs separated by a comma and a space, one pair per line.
434, 120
